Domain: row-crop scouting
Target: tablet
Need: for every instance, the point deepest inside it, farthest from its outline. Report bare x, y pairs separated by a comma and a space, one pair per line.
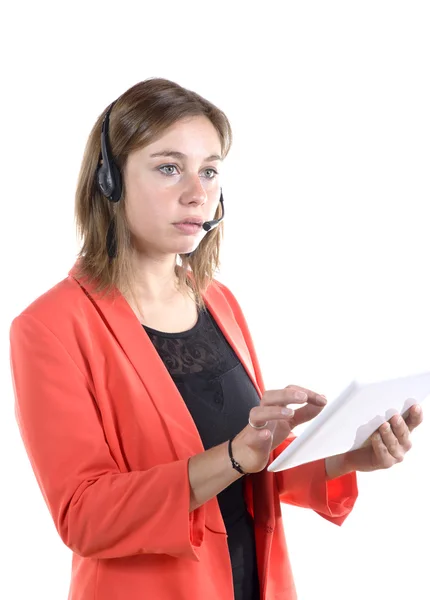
348, 421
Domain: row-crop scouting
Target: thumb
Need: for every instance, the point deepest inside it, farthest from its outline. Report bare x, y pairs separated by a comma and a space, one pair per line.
260, 439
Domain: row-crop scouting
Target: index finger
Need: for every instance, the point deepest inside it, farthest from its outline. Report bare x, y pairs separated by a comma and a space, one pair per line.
312, 397
414, 417
293, 395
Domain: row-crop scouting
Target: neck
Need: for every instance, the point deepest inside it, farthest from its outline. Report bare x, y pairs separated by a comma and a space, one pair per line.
155, 279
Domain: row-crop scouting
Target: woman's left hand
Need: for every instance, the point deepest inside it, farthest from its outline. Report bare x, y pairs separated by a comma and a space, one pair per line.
387, 447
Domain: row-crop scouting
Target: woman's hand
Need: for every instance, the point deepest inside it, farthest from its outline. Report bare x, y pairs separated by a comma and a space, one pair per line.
387, 447
251, 447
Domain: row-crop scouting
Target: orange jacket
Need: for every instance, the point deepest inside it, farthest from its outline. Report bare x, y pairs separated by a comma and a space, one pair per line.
109, 438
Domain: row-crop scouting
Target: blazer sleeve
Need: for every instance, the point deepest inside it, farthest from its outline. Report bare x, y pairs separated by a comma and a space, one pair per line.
307, 486
98, 511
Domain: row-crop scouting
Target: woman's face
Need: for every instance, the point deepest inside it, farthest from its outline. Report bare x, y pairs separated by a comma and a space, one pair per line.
172, 179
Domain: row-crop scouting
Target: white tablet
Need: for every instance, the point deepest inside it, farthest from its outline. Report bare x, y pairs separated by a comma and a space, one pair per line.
348, 421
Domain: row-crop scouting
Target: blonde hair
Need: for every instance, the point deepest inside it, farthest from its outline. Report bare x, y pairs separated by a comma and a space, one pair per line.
139, 116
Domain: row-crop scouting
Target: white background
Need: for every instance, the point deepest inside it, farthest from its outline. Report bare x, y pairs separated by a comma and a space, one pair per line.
326, 193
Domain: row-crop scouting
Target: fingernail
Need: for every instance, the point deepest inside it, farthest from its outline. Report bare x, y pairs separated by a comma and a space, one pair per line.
300, 396
418, 409
287, 412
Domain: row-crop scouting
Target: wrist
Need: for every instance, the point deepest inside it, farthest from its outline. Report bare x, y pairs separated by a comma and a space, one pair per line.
336, 466
233, 461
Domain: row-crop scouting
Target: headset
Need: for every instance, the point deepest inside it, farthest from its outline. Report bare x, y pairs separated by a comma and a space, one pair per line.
109, 178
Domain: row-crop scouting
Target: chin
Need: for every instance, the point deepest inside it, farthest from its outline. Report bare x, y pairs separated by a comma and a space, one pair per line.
187, 246
188, 250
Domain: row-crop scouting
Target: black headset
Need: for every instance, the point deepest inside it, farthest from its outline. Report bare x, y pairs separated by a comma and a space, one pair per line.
109, 178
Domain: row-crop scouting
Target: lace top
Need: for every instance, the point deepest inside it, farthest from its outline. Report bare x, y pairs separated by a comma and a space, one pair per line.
219, 395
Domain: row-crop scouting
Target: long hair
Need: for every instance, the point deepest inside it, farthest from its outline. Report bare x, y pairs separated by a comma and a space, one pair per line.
139, 116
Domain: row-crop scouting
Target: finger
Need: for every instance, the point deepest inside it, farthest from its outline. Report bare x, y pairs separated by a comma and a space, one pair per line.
306, 413
401, 431
415, 417
283, 397
312, 397
391, 442
382, 457
260, 414
291, 395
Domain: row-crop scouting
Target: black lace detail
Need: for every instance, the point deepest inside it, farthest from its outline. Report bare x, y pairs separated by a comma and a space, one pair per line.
194, 351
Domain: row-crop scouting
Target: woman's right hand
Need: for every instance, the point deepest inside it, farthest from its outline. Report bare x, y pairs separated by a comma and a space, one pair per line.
251, 447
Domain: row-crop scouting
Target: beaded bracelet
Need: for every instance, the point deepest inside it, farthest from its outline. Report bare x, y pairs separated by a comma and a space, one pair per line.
234, 463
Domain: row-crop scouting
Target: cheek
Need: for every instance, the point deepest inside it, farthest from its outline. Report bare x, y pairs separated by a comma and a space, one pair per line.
140, 215
145, 210
136, 197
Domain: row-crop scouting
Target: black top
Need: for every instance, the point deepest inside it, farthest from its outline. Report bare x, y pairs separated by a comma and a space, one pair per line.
219, 395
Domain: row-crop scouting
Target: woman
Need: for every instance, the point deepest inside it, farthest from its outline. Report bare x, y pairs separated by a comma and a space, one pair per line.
139, 395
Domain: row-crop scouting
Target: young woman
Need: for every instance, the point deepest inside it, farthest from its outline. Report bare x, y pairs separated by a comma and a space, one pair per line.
139, 395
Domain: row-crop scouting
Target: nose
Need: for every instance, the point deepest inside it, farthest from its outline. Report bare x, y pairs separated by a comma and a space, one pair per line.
195, 191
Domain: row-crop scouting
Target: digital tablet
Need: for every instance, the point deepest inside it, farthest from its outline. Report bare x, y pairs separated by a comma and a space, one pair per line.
348, 421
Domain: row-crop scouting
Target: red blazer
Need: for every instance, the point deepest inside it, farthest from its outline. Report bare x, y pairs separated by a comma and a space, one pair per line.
109, 438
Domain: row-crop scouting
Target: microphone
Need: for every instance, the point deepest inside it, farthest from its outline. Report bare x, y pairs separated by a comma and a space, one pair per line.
208, 225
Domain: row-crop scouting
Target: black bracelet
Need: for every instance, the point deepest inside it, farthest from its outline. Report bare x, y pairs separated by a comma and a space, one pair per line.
234, 463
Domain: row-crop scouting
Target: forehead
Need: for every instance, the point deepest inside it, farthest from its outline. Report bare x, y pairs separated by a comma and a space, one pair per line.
191, 136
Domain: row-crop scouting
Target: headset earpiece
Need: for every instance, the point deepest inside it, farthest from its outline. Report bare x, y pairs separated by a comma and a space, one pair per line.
108, 175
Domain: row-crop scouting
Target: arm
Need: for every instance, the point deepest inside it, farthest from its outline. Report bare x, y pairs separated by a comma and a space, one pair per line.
210, 472
99, 511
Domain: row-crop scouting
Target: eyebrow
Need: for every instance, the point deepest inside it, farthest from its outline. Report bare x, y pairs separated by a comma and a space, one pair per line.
181, 155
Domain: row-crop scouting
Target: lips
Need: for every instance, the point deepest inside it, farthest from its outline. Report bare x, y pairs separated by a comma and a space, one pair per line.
188, 228
191, 221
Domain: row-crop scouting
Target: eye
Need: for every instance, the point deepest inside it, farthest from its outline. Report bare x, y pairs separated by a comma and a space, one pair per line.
169, 170
166, 167
214, 173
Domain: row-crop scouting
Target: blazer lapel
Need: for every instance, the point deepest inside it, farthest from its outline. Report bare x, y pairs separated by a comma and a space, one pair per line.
224, 316
151, 370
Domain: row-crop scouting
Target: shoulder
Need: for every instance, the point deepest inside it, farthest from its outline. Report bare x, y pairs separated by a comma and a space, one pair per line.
60, 313
220, 292
55, 327
218, 288
59, 302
